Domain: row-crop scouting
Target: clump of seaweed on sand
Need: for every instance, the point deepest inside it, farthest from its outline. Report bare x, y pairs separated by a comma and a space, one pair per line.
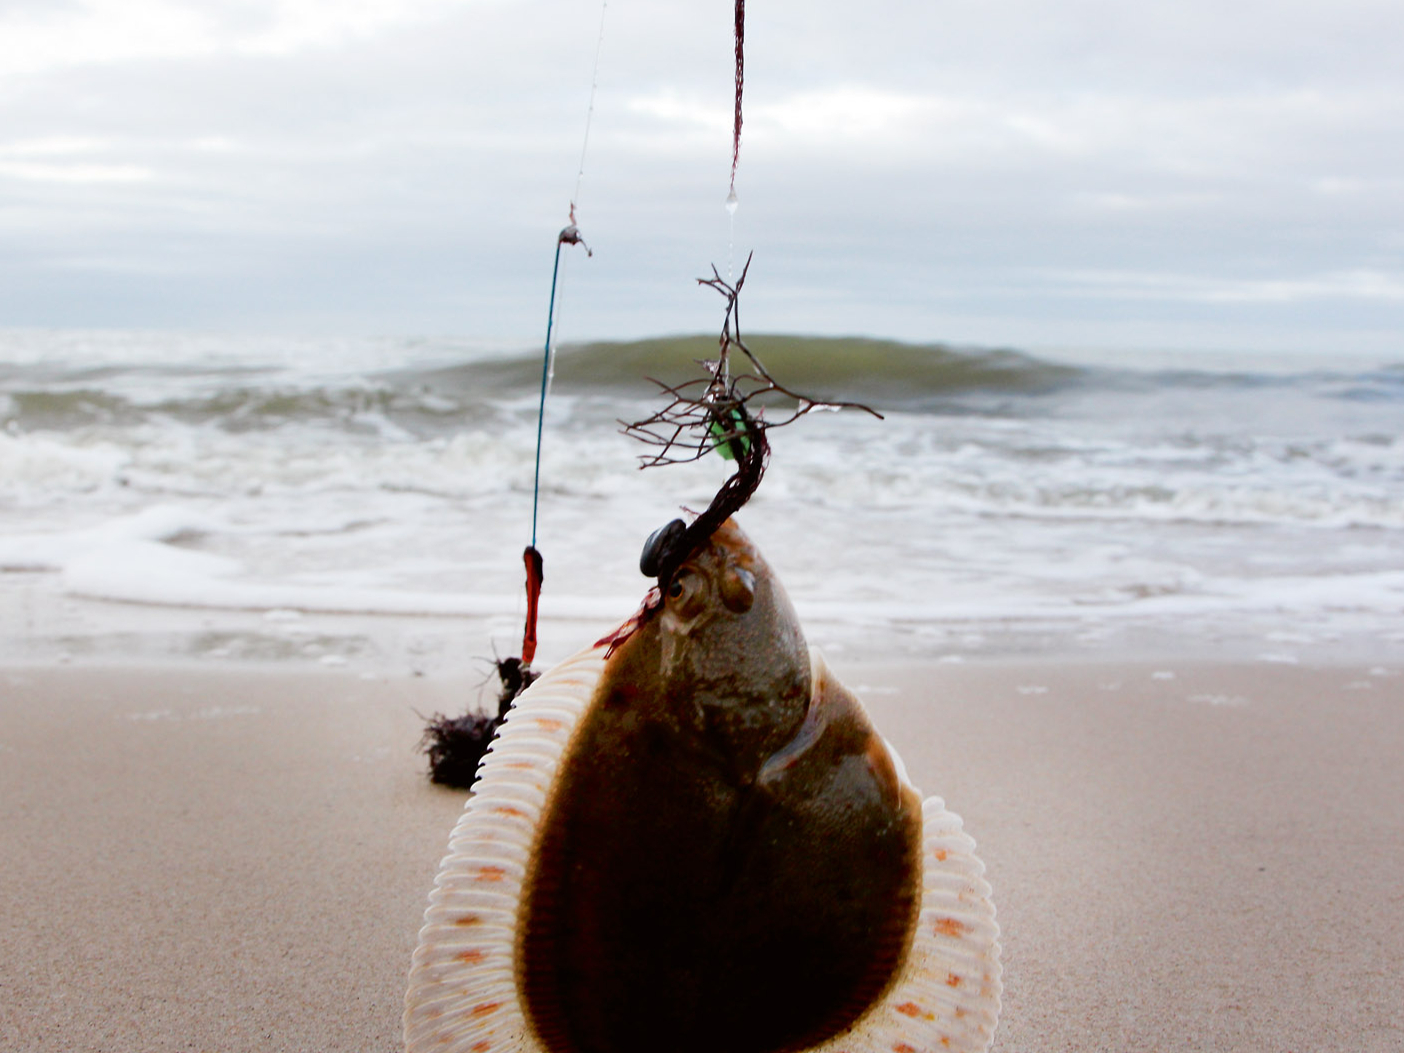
455, 745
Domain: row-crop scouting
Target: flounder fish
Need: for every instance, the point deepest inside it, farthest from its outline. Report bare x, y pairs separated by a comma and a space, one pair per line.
689, 838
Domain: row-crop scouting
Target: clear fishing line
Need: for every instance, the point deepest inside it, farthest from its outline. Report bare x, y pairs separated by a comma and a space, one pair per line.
569, 236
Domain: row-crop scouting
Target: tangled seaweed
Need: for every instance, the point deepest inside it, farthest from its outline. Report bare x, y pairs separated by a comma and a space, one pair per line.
721, 411
456, 745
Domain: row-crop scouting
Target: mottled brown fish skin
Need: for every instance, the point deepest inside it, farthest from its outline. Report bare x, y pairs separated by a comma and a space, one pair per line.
728, 861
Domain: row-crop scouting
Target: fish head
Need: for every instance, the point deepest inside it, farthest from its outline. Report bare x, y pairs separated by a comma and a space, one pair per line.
729, 647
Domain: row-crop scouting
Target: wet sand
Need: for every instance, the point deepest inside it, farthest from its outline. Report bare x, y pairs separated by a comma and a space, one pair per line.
1184, 856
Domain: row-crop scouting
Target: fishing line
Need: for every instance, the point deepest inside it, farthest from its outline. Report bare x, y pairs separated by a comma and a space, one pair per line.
590, 113
549, 371
570, 235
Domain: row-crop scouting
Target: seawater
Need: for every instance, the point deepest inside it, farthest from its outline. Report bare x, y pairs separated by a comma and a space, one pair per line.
366, 502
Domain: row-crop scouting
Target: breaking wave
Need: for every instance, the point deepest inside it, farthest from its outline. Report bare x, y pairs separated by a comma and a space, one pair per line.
397, 476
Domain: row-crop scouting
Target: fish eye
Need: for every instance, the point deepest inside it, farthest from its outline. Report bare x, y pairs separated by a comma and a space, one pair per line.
738, 590
687, 593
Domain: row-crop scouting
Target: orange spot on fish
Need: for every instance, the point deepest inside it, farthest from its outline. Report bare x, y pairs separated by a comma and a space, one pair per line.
507, 809
472, 956
945, 1041
486, 1009
913, 1010
902, 1047
491, 873
482, 1046
952, 980
940, 855
547, 724
950, 927
465, 920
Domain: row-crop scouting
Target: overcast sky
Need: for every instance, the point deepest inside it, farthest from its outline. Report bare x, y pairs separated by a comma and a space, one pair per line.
1013, 172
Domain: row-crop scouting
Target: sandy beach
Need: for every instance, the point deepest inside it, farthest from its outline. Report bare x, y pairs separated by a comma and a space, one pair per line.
1185, 856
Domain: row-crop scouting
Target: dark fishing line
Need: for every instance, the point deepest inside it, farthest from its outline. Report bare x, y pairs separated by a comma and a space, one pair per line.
740, 79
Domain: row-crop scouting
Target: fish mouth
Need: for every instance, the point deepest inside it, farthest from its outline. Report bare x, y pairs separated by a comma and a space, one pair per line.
733, 566
669, 548
736, 578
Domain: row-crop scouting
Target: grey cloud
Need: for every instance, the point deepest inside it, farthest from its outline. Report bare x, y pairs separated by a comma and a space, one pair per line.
909, 169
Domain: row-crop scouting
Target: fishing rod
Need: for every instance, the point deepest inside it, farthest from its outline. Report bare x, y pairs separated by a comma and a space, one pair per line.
531, 555
455, 745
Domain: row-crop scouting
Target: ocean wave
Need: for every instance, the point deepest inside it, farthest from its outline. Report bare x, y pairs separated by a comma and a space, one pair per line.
885, 372
1000, 485
357, 406
461, 387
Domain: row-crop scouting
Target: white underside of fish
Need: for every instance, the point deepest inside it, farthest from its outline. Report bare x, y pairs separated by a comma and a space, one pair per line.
464, 993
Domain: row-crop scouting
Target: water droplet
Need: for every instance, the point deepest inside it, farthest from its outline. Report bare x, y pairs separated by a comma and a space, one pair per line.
731, 202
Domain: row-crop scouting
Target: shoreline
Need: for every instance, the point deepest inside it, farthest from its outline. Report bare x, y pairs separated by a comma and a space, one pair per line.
1185, 854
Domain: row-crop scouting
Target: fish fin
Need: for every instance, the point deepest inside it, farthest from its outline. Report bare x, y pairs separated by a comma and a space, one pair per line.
462, 995
946, 995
